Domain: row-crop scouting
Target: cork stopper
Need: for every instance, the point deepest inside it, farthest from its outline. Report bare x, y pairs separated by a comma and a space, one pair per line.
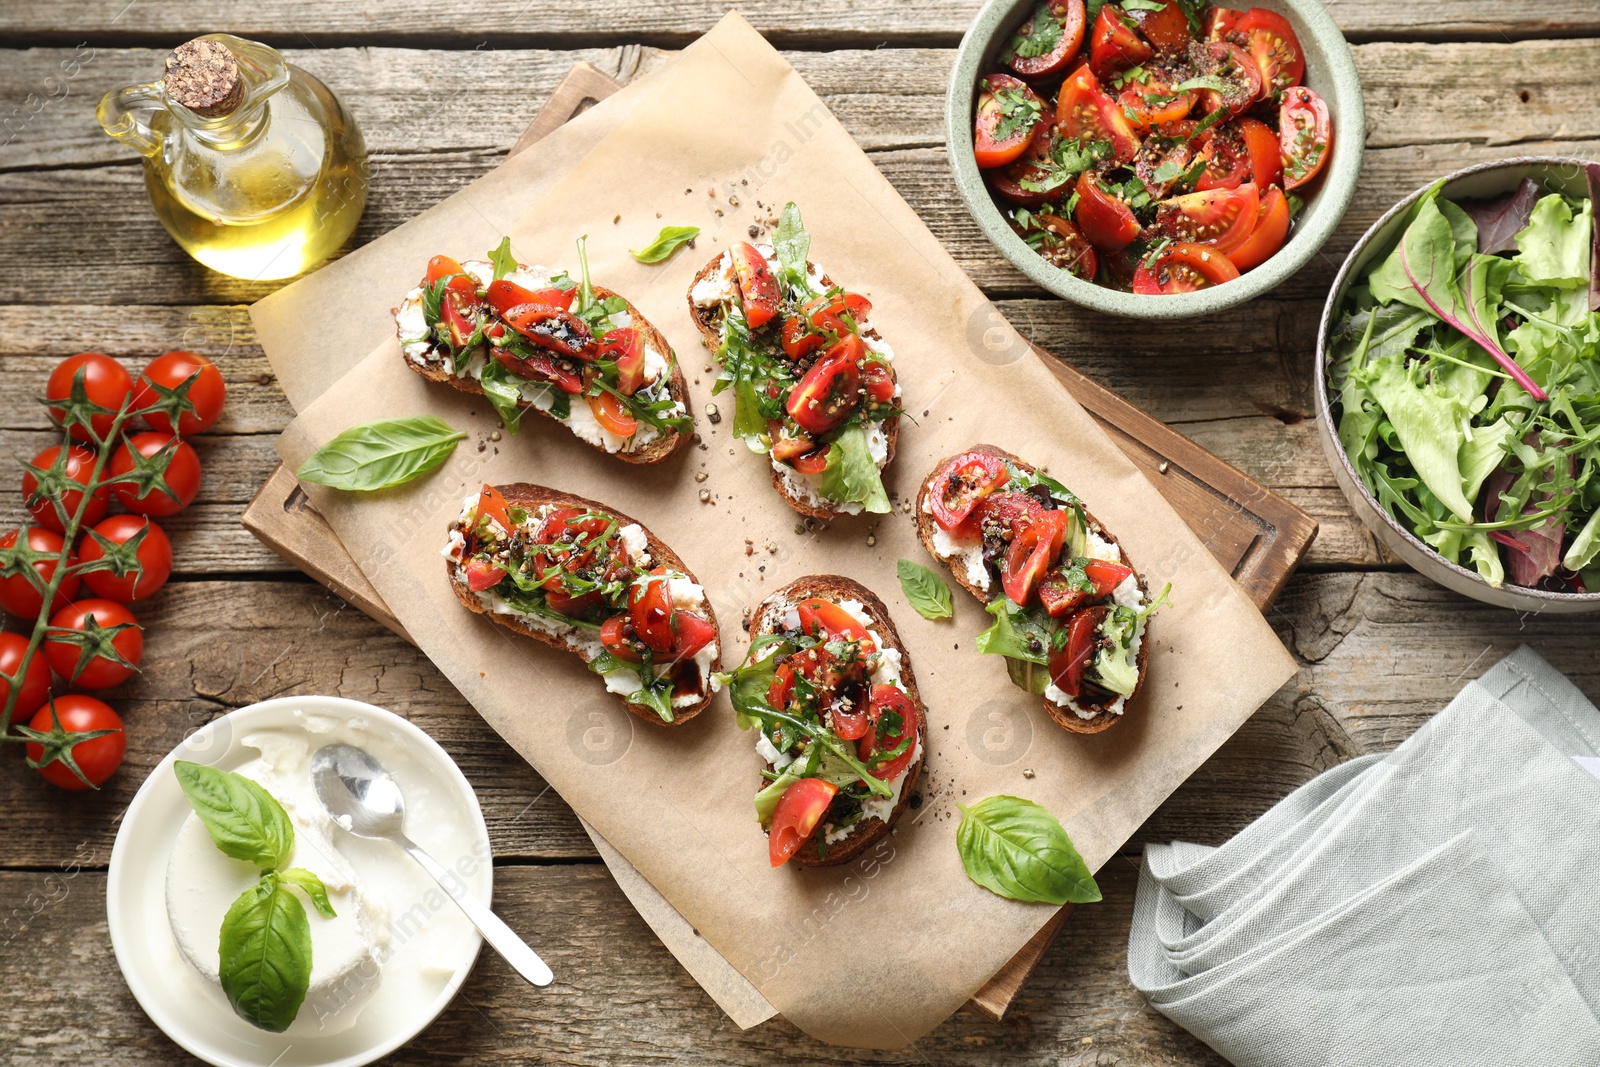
204, 77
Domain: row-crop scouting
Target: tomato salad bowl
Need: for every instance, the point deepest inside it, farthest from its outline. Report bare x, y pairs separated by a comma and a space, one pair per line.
1156, 159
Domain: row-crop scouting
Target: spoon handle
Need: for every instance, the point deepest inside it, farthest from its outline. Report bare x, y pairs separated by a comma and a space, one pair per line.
505, 940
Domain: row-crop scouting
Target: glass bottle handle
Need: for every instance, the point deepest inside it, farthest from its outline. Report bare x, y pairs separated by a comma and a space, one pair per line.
125, 115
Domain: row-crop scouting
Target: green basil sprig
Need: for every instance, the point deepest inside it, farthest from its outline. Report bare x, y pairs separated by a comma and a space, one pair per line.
265, 942
925, 591
1018, 850
667, 242
382, 454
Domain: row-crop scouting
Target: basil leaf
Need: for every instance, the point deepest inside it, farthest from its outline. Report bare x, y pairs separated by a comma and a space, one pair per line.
793, 246
504, 262
925, 591
851, 476
265, 950
308, 881
242, 818
1016, 849
668, 241
378, 455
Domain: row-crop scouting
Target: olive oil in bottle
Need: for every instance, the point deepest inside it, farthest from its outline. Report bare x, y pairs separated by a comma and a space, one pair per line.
251, 164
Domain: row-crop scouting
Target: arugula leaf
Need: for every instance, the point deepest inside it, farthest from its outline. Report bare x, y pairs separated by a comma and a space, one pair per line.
851, 475
244, 820
382, 454
1016, 849
265, 948
504, 262
924, 590
668, 241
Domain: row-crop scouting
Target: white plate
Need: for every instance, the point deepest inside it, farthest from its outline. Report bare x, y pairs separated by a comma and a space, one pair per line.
415, 987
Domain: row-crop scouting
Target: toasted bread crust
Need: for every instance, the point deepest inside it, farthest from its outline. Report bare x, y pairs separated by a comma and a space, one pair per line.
835, 588
668, 444
1064, 717
706, 322
528, 496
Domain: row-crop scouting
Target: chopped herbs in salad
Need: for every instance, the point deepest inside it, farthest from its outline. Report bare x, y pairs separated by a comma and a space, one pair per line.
1154, 145
532, 340
585, 575
812, 382
837, 728
1070, 615
1465, 374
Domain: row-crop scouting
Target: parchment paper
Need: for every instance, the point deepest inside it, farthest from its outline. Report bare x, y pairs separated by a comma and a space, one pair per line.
313, 334
730, 116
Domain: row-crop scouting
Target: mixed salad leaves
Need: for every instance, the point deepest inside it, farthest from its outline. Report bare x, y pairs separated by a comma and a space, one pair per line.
810, 390
1465, 369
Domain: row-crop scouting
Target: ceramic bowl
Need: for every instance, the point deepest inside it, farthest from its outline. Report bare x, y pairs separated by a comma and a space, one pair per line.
1330, 70
1483, 180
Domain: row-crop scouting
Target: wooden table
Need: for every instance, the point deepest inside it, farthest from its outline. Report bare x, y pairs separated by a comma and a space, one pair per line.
441, 89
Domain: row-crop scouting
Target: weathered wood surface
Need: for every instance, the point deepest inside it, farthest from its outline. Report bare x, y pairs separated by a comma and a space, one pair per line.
618, 997
791, 23
88, 268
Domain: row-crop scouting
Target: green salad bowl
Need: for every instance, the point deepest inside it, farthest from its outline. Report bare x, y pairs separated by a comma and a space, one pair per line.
1482, 181
1330, 70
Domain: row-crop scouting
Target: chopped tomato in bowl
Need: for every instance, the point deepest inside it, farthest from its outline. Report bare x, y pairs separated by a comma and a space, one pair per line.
1100, 139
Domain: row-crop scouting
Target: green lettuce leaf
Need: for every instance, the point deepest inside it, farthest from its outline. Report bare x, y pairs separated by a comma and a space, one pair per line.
1555, 246
851, 476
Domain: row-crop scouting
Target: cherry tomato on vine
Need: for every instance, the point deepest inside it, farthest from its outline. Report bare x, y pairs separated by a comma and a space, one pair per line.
98, 757
106, 383
33, 688
79, 469
182, 475
154, 554
168, 373
18, 597
99, 669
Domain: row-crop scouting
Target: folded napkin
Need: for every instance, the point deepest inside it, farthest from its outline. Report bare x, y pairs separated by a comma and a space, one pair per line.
1434, 906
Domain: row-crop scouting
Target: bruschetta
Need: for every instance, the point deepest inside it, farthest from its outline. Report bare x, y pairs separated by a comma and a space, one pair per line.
587, 579
840, 728
1071, 612
529, 339
812, 381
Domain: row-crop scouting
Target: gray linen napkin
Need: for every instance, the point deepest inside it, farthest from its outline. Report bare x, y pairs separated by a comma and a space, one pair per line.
1434, 906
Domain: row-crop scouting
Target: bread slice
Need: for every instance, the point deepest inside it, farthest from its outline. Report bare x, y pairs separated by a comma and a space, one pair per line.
1065, 717
768, 619
531, 497
663, 447
708, 321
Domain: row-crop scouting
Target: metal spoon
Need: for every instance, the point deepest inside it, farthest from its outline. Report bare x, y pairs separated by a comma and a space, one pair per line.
366, 800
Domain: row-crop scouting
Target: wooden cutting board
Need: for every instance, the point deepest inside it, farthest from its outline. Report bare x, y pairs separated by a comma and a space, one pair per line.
1254, 533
